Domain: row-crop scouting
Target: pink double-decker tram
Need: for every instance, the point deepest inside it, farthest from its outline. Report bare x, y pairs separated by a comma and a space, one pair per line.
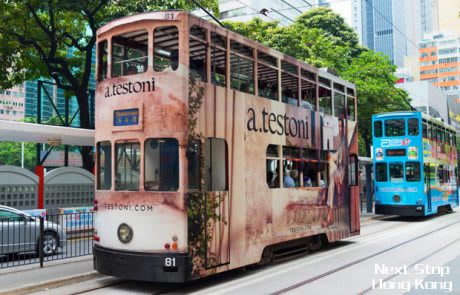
215, 152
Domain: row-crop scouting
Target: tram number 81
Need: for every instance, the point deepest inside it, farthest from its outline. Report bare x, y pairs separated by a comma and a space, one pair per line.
170, 262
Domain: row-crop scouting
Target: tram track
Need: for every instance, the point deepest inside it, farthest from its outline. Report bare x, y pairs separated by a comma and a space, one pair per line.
357, 261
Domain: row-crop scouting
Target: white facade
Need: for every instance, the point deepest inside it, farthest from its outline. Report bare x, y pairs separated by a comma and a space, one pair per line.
427, 98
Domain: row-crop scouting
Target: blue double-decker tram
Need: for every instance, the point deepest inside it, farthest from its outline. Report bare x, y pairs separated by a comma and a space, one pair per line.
415, 164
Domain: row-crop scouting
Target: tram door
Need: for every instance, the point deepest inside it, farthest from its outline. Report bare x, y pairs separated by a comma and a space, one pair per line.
426, 172
217, 202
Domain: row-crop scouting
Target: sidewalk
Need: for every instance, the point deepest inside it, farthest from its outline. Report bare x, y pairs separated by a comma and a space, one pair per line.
31, 278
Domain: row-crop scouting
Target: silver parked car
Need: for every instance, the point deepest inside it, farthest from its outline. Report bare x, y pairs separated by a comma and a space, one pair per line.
20, 232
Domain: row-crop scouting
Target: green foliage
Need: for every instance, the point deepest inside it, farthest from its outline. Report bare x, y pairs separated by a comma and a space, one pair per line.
55, 39
10, 154
322, 38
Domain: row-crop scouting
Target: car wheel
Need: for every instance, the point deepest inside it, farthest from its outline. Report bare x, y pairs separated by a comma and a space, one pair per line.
50, 243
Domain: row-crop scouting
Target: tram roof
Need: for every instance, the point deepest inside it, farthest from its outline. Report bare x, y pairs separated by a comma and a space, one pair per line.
38, 133
158, 16
410, 113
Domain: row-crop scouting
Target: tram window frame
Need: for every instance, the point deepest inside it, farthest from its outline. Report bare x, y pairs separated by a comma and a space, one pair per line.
103, 58
240, 53
339, 104
392, 166
165, 182
424, 129
416, 176
381, 172
272, 162
413, 127
351, 110
308, 94
429, 134
292, 165
166, 63
132, 185
194, 154
391, 128
218, 65
378, 128
289, 85
325, 100
198, 71
106, 184
353, 170
267, 76
215, 159
123, 48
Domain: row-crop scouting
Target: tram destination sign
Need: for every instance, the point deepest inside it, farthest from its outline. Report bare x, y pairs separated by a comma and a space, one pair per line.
396, 152
126, 117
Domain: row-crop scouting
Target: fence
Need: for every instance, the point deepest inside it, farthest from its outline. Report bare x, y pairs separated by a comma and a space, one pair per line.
26, 239
63, 187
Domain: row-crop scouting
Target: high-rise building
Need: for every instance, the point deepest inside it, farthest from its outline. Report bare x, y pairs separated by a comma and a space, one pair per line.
445, 16
12, 104
392, 27
439, 57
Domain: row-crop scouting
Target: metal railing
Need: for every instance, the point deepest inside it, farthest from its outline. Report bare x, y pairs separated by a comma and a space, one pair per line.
26, 240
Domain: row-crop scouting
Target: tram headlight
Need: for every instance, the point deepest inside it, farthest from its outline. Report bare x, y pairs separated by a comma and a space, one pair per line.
125, 233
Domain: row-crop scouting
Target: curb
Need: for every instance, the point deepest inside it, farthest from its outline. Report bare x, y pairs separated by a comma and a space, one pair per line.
51, 284
51, 263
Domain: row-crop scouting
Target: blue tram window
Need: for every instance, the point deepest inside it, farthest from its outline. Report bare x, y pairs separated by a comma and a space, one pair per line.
378, 129
395, 127
396, 172
412, 171
381, 172
412, 126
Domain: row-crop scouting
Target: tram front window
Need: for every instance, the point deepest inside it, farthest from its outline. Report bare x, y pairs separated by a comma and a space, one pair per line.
127, 166
161, 164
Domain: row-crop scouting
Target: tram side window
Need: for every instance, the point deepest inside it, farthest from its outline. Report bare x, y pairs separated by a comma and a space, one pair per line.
166, 49
291, 167
104, 165
273, 166
242, 67
413, 171
308, 91
381, 172
161, 164
289, 83
424, 130
102, 51
218, 59
396, 172
325, 101
339, 105
315, 168
378, 129
353, 170
127, 166
429, 131
395, 127
198, 51
267, 76
412, 126
193, 154
129, 53
216, 166
351, 108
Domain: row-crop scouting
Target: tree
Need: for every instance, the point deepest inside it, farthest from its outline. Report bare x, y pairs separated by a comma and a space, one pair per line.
36, 37
323, 39
10, 154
